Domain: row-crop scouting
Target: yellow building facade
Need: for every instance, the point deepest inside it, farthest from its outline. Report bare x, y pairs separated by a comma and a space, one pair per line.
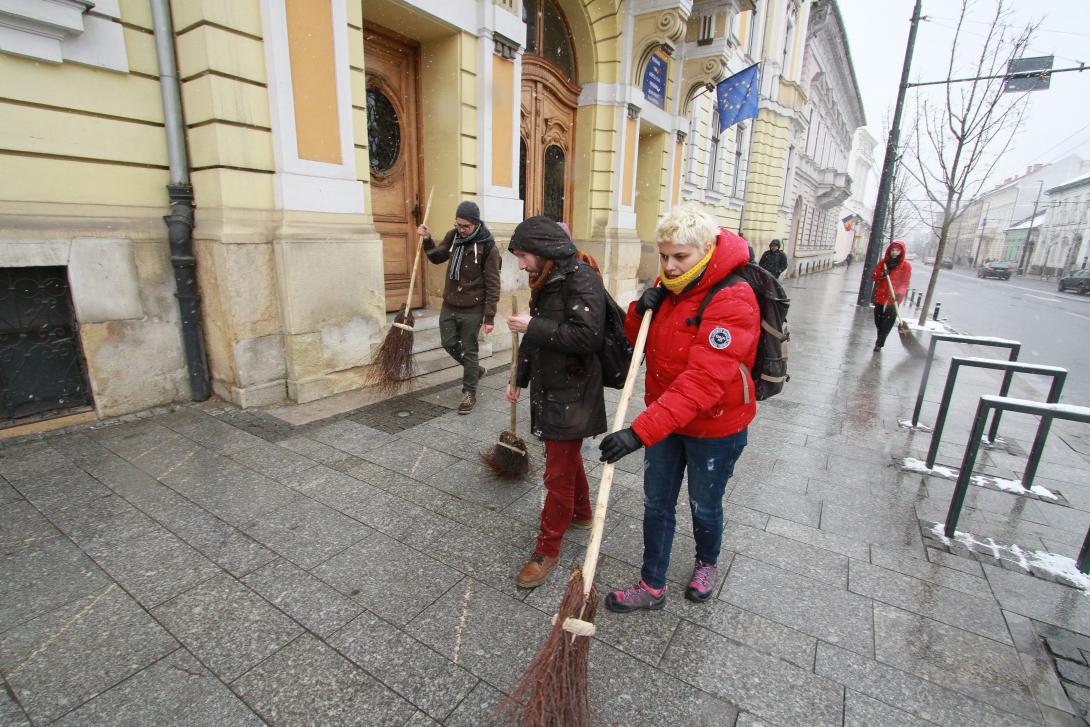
314, 133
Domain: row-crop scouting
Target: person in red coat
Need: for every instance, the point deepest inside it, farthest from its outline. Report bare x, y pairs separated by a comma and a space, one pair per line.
699, 396
899, 270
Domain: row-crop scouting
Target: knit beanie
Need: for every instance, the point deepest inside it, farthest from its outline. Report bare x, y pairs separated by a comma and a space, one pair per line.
468, 211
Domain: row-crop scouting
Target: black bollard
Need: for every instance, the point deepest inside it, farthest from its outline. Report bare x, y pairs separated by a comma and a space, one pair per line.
937, 307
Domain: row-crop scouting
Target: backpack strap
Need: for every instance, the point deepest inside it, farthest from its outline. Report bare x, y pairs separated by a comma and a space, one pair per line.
724, 283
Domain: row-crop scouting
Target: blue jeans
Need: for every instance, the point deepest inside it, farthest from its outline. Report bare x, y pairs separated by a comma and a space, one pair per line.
710, 463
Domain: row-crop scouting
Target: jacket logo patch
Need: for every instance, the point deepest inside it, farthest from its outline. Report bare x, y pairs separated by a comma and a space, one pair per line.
719, 338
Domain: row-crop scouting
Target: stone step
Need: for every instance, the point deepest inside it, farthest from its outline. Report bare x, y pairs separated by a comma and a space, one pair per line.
424, 319
436, 359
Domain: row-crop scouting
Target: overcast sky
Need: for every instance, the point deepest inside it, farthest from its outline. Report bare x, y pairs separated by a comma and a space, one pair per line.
1058, 122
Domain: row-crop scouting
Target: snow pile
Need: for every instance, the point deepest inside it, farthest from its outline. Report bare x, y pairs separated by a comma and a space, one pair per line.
1059, 567
910, 464
907, 424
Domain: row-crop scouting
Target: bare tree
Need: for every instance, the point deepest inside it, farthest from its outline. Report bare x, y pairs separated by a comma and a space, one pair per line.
958, 141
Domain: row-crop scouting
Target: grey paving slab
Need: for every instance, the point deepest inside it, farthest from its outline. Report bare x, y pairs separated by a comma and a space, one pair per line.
411, 458
307, 682
971, 664
489, 633
843, 544
223, 544
935, 572
787, 505
625, 542
921, 698
61, 659
317, 451
475, 482
21, 524
305, 598
11, 715
454, 444
8, 493
979, 615
756, 683
99, 523
398, 518
348, 436
788, 554
430, 681
29, 460
388, 577
61, 488
273, 461
329, 486
154, 566
828, 613
43, 575
477, 708
895, 526
863, 711
175, 691
306, 532
955, 562
208, 431
226, 625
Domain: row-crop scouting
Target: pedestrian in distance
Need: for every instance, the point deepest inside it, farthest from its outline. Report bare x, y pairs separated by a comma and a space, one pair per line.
699, 395
470, 293
559, 363
774, 260
899, 271
848, 260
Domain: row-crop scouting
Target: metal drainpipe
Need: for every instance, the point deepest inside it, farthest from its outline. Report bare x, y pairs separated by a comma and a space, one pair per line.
180, 191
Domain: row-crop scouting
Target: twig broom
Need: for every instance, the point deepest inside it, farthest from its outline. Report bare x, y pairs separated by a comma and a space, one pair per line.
393, 363
553, 691
908, 338
509, 459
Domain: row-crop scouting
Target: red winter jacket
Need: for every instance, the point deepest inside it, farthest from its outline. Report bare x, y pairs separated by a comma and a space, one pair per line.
698, 381
899, 276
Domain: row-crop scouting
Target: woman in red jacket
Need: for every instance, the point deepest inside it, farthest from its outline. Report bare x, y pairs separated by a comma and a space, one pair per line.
899, 270
699, 396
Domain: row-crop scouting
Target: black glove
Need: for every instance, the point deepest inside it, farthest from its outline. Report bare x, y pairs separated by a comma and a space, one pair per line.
651, 300
617, 445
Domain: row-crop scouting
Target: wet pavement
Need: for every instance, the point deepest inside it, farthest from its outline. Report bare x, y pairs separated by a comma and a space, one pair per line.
214, 566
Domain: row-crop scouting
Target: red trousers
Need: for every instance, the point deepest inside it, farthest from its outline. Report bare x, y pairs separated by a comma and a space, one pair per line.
567, 493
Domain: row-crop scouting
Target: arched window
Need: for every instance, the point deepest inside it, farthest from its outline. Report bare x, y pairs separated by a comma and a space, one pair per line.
548, 36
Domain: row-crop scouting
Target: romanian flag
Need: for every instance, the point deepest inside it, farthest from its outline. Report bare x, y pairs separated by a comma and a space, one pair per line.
849, 221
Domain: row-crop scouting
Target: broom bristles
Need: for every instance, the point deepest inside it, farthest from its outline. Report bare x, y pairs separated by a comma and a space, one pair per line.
393, 366
509, 459
553, 691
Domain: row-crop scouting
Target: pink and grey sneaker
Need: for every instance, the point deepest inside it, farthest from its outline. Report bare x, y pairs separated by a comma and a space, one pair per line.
702, 583
639, 596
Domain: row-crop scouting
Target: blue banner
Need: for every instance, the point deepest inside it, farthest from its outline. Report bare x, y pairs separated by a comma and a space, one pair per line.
737, 97
654, 80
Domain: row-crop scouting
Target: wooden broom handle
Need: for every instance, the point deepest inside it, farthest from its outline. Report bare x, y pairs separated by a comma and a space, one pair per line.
590, 562
514, 361
416, 260
893, 298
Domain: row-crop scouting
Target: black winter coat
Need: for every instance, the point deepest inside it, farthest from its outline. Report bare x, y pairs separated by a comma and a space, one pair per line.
558, 357
774, 261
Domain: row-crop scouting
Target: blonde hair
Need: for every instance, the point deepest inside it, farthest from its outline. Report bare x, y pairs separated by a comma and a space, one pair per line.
688, 225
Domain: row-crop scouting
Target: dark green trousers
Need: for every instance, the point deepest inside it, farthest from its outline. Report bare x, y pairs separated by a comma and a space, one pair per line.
458, 331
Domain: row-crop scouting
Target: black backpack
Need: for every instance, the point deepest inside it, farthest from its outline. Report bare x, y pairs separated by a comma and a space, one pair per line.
615, 355
770, 367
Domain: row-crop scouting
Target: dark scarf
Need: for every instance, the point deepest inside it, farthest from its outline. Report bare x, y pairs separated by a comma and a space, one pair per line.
458, 249
892, 262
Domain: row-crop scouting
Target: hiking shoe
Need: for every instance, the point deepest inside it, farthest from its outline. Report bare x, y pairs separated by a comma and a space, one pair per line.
582, 524
635, 598
469, 400
702, 582
536, 570
481, 371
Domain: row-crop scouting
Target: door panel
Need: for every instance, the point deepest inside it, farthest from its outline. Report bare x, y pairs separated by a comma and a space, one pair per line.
548, 134
394, 148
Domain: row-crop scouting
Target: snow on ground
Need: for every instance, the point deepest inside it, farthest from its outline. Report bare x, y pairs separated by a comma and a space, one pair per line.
910, 464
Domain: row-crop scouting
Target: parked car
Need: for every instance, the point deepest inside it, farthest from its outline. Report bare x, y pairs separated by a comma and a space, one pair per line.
947, 263
1078, 281
929, 260
995, 269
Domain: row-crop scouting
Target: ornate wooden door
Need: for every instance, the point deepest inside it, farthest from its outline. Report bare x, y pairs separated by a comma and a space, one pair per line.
393, 140
549, 103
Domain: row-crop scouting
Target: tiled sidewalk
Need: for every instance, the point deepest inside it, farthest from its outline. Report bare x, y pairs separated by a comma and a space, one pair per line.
210, 566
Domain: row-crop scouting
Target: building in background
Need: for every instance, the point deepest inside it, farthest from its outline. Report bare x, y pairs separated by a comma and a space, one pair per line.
315, 131
858, 210
1065, 239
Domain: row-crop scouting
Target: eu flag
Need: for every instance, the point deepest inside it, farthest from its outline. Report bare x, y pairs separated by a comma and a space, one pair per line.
737, 97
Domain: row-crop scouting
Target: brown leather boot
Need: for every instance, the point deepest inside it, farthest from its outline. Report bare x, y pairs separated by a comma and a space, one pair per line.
469, 400
535, 571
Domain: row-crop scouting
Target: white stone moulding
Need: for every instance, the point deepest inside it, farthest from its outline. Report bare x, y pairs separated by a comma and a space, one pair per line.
56, 31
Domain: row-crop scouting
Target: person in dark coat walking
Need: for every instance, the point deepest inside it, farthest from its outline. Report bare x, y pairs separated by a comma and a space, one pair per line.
899, 271
774, 260
558, 360
699, 395
471, 293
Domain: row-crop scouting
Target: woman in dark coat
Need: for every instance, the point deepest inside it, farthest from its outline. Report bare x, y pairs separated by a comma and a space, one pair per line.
558, 360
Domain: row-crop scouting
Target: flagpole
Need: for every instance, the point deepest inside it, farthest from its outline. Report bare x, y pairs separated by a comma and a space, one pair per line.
749, 156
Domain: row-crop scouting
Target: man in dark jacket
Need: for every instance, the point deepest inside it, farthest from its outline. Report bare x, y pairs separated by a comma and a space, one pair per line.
558, 360
471, 292
774, 260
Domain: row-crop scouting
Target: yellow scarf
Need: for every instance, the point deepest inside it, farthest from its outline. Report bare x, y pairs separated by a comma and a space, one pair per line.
678, 284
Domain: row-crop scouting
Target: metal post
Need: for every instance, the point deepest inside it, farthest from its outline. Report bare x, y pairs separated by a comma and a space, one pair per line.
874, 244
940, 419
923, 381
1038, 447
1029, 229
1083, 563
993, 431
938, 307
966, 472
